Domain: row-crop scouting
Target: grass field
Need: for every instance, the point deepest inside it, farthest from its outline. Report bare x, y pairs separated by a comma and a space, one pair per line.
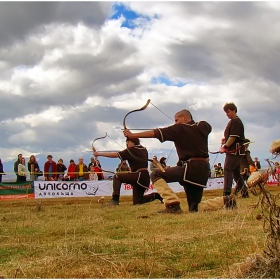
80, 238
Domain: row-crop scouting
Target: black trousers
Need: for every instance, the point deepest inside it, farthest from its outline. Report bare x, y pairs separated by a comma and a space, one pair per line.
21, 178
140, 181
194, 193
232, 171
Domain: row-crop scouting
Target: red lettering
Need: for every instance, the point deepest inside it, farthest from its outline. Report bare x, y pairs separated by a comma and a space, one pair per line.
127, 187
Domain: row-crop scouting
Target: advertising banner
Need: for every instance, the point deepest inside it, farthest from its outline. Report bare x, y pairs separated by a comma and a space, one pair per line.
54, 189
16, 190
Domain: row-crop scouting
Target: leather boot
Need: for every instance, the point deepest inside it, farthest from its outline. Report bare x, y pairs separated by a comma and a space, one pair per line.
230, 202
171, 209
149, 197
168, 195
114, 201
217, 203
226, 193
211, 204
157, 196
244, 191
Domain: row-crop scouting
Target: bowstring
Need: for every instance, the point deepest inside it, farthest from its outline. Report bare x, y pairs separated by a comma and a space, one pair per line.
162, 111
115, 142
172, 121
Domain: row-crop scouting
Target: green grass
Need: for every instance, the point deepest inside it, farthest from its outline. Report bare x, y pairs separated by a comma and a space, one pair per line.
80, 238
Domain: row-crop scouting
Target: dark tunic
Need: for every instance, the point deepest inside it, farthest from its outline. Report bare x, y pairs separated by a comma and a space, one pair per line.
143, 177
190, 139
235, 128
138, 151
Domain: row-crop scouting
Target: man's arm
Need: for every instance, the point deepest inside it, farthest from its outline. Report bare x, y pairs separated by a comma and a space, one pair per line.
106, 154
143, 134
229, 142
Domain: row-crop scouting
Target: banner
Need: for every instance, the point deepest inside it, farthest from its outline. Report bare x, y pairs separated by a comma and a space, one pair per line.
273, 179
55, 189
16, 190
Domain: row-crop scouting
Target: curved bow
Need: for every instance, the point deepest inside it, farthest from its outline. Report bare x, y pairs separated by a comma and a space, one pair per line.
92, 147
94, 150
233, 151
141, 109
124, 126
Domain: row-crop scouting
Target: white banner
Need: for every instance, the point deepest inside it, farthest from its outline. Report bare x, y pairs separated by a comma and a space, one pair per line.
55, 189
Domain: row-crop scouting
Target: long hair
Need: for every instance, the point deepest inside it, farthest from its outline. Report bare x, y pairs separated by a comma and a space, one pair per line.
32, 161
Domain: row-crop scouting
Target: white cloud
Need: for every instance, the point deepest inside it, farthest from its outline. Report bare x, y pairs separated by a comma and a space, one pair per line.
68, 79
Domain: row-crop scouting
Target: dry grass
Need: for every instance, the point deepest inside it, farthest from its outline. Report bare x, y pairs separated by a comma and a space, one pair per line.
80, 238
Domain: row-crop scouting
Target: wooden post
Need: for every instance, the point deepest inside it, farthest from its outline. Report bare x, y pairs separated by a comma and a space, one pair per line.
32, 173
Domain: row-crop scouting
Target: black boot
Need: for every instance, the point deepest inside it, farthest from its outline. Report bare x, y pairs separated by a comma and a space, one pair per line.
230, 202
157, 196
115, 201
171, 209
244, 191
226, 193
148, 198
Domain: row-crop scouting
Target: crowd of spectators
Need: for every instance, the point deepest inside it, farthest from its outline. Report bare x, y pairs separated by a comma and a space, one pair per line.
79, 171
53, 171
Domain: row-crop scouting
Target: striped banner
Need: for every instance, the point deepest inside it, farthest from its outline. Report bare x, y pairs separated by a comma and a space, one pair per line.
16, 190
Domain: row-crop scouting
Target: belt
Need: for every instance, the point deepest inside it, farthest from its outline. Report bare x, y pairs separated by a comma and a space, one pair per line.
198, 158
141, 169
183, 162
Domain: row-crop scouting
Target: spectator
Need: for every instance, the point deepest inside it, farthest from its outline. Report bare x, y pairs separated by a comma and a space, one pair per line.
92, 162
22, 171
97, 163
60, 177
257, 163
71, 170
81, 171
153, 167
219, 172
162, 161
245, 163
1, 170
61, 168
50, 169
253, 168
16, 165
66, 178
98, 170
123, 166
92, 174
33, 166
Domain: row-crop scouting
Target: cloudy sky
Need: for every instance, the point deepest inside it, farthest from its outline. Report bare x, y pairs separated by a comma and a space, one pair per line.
70, 71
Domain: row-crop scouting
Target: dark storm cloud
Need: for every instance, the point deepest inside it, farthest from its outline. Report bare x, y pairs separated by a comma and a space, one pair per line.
17, 19
224, 51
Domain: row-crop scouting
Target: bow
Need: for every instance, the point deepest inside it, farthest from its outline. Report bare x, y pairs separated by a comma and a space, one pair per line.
233, 151
92, 147
124, 126
141, 109
94, 150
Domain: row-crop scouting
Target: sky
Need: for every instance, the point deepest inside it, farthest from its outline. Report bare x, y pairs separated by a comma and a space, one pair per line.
71, 71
